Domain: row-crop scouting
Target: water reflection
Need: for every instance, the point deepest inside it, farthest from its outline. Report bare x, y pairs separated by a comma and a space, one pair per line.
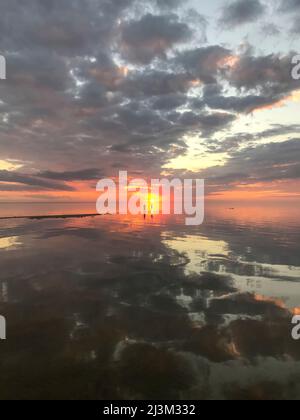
130, 308
205, 255
10, 242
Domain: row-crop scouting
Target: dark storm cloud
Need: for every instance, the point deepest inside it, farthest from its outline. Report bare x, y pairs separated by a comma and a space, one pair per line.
152, 36
241, 12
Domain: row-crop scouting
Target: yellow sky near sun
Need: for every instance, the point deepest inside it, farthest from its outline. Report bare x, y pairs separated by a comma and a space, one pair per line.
6, 165
197, 159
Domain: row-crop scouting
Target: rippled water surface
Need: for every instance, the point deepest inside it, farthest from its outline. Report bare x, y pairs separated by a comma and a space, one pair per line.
126, 308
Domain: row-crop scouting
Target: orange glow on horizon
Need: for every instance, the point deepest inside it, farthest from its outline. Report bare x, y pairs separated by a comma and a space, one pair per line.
268, 191
85, 191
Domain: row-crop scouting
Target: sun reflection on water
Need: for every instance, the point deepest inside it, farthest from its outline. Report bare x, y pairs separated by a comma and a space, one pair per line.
11, 242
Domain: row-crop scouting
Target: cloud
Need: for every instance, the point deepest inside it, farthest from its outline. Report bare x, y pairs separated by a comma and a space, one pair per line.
37, 69
157, 83
289, 6
204, 63
239, 103
208, 123
268, 76
241, 12
270, 29
169, 102
168, 4
295, 29
13, 177
152, 36
119, 83
259, 163
83, 175
71, 31
260, 81
234, 142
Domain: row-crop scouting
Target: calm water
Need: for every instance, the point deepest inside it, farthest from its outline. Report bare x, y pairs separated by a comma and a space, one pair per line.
112, 308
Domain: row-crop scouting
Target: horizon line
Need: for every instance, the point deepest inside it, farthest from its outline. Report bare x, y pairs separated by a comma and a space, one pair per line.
47, 202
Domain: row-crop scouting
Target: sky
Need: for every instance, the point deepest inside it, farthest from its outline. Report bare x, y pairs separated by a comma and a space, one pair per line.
189, 89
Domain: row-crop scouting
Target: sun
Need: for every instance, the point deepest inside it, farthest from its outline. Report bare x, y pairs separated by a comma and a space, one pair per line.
153, 203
